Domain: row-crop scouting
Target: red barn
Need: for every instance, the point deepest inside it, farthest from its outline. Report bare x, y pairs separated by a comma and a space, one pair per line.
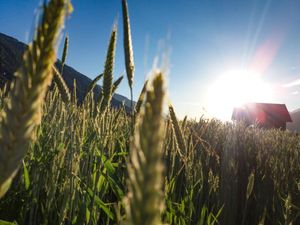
265, 115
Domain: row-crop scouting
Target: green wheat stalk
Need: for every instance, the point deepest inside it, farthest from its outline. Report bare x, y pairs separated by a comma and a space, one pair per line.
129, 61
177, 130
92, 85
64, 54
61, 85
116, 84
23, 112
74, 93
107, 86
145, 199
141, 99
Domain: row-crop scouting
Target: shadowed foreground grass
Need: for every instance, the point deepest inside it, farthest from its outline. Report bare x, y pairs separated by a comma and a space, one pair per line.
76, 171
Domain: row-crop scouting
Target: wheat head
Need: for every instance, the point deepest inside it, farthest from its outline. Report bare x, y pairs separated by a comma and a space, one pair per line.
141, 99
61, 85
129, 61
145, 170
92, 85
116, 84
177, 130
23, 112
64, 54
108, 71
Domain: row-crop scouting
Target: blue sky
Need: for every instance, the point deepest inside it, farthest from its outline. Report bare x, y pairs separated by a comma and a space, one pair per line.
203, 39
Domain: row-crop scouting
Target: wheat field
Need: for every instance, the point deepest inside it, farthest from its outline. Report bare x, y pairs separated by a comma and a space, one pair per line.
67, 163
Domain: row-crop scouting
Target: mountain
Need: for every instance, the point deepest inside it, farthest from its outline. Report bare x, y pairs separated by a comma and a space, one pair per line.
295, 125
11, 51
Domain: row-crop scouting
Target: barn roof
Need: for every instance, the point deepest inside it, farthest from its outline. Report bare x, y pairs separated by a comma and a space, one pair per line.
260, 111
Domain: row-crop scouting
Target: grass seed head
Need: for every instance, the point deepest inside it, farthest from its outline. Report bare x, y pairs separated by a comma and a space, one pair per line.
108, 71
23, 113
145, 171
129, 61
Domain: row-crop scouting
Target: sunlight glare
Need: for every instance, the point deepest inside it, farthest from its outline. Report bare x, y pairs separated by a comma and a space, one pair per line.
233, 89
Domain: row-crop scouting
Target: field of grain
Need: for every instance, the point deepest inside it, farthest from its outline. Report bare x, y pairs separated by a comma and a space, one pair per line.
67, 163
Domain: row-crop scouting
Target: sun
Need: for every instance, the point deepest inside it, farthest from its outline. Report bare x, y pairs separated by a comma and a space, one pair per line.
234, 88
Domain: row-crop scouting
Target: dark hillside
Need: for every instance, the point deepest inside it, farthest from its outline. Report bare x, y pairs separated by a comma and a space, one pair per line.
11, 51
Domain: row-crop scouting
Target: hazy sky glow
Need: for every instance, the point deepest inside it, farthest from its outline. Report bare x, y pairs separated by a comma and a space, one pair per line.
204, 40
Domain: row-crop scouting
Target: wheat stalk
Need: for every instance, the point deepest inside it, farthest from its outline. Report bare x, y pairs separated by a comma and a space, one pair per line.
61, 85
141, 99
92, 85
23, 112
177, 130
145, 170
64, 54
117, 83
74, 93
129, 61
108, 71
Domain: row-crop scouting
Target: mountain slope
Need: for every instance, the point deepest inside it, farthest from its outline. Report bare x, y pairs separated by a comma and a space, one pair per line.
11, 51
